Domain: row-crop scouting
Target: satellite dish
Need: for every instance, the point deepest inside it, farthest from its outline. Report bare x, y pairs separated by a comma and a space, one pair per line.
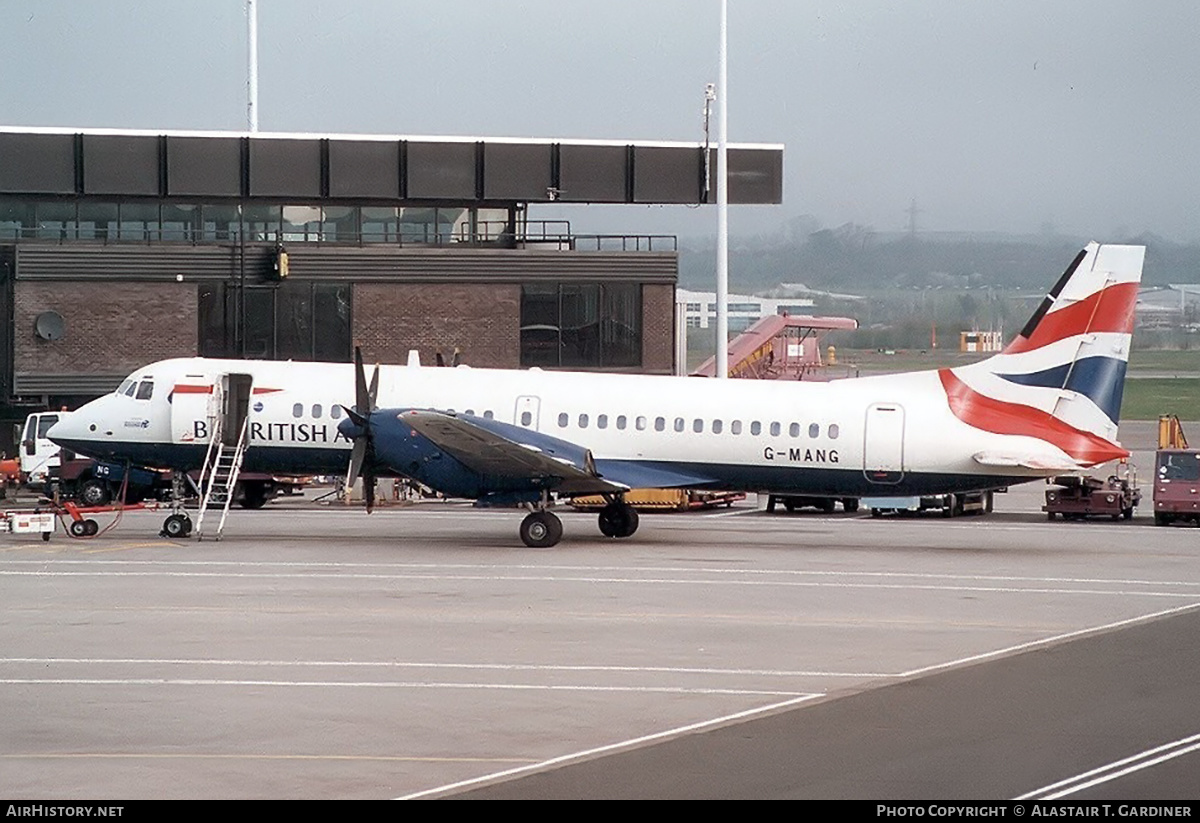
49, 325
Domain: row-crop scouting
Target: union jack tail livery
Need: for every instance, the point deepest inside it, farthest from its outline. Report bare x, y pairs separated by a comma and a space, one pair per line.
1061, 380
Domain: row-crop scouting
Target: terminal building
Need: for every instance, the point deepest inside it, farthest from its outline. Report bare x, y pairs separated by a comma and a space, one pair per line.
118, 248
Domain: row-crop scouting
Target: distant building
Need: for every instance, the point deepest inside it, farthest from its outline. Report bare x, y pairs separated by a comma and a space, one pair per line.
700, 308
981, 341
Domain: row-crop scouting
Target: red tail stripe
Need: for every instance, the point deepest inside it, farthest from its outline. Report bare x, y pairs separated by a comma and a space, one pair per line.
1108, 310
999, 417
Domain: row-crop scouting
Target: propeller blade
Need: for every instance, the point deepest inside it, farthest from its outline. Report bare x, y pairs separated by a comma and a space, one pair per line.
373, 391
369, 490
362, 398
362, 455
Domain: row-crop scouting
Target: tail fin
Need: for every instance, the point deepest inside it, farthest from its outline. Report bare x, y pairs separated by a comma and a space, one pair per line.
1064, 374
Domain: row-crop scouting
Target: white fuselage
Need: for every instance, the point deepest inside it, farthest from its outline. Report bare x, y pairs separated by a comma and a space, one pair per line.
874, 434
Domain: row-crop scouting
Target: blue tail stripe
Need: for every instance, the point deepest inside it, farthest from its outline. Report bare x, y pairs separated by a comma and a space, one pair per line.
1100, 378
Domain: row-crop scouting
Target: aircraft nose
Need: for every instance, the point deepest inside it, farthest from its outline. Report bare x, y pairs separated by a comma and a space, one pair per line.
80, 426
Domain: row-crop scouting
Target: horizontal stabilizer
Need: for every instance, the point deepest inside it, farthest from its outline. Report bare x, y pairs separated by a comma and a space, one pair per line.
1029, 460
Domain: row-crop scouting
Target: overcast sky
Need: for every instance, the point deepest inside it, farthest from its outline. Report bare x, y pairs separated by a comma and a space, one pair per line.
1084, 115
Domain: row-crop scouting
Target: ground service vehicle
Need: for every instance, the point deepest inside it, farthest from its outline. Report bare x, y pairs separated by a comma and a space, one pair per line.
1176, 475
1077, 498
950, 505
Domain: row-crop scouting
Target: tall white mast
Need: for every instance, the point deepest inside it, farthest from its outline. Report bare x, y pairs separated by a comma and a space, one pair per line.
723, 201
252, 65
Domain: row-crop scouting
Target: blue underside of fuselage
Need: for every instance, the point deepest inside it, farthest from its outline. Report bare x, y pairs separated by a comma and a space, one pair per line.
446, 475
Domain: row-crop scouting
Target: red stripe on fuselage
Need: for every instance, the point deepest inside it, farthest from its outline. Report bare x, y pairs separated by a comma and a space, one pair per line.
181, 388
999, 417
1108, 310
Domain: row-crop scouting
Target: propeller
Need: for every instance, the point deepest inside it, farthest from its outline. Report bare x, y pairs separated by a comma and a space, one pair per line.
357, 427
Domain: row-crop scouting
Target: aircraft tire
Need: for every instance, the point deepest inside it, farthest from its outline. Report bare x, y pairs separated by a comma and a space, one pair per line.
177, 525
254, 495
618, 520
630, 524
541, 530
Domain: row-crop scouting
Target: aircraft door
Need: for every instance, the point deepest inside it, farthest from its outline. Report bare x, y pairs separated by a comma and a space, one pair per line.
192, 410
883, 443
526, 413
237, 389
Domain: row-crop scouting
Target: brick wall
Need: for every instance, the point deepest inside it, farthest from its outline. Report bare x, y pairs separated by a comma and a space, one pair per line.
110, 327
658, 329
481, 319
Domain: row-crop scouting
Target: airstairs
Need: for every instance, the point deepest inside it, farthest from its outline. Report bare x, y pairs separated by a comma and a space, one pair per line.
222, 465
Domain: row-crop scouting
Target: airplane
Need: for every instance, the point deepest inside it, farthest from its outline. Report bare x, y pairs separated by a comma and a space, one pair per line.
1047, 404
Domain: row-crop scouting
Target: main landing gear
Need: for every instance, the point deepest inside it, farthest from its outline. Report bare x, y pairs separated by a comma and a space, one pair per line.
542, 529
618, 519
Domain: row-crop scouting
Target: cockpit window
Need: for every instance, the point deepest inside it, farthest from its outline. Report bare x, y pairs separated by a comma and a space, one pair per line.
145, 390
125, 387
130, 389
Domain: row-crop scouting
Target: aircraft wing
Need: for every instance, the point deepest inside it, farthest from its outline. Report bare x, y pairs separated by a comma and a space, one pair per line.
498, 449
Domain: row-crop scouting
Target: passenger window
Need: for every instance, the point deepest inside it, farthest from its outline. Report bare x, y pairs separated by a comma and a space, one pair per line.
716, 427
335, 411
621, 422
602, 421
145, 390
563, 419
834, 431
298, 410
678, 424
775, 429
526, 418
583, 421
660, 423
755, 428
697, 425
640, 423
317, 411
471, 412
735, 427
794, 430
814, 430
487, 415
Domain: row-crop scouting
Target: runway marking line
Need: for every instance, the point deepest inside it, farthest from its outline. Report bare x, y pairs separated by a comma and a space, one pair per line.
42, 571
1116, 769
165, 681
610, 748
213, 756
46, 661
1046, 641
